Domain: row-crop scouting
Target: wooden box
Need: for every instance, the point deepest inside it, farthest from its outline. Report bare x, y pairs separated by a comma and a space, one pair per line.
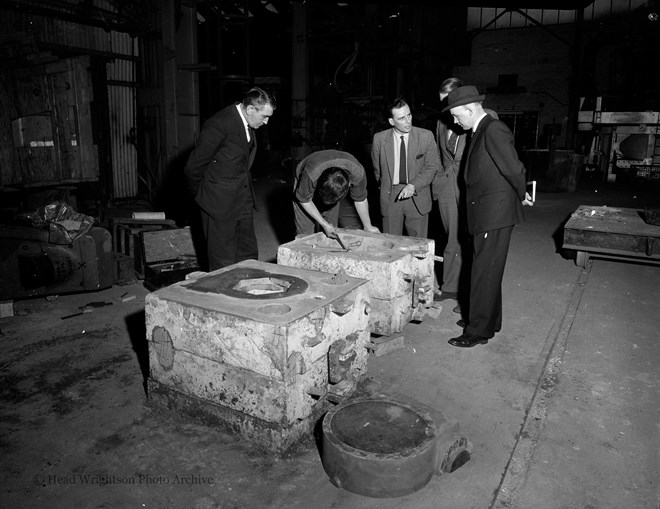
168, 256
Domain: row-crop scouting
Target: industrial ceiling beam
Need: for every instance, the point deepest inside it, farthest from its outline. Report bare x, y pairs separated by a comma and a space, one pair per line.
563, 5
84, 13
475, 33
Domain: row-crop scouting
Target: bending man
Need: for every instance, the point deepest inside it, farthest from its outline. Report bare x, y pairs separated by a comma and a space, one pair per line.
323, 179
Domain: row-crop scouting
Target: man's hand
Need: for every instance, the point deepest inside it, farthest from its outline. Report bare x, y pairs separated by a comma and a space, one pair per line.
330, 230
406, 192
528, 200
371, 229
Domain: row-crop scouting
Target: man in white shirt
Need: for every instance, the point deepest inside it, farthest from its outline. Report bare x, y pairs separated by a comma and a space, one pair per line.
405, 160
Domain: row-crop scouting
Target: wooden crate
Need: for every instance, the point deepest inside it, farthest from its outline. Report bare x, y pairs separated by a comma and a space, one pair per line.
168, 256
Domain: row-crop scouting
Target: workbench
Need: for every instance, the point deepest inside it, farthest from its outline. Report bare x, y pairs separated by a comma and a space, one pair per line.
609, 232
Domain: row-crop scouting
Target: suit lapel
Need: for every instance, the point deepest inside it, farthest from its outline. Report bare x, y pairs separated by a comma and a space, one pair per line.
240, 128
474, 136
442, 137
413, 149
460, 146
389, 152
472, 140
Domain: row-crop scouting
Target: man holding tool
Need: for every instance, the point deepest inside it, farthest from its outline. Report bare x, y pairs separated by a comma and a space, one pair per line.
323, 179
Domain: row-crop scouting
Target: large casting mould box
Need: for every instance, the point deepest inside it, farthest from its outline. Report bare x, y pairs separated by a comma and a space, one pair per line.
257, 348
399, 270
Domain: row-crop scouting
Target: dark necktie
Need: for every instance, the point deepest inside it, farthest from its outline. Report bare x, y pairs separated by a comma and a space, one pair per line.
402, 162
251, 142
452, 143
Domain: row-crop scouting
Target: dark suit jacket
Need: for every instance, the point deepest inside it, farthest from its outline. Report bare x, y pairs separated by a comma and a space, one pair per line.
450, 163
218, 169
422, 163
494, 178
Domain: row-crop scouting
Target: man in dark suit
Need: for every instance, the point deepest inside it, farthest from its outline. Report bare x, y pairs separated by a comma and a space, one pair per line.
446, 189
405, 160
495, 191
218, 173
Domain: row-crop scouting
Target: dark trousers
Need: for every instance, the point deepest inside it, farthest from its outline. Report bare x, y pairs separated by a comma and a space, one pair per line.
489, 252
230, 242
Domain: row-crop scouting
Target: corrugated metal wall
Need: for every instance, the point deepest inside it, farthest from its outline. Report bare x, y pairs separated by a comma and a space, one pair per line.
120, 73
121, 98
55, 31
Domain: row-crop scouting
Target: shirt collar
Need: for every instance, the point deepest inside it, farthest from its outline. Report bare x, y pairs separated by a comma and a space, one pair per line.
476, 124
398, 135
245, 124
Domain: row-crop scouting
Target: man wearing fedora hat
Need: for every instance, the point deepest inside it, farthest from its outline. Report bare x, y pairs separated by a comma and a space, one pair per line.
495, 187
447, 189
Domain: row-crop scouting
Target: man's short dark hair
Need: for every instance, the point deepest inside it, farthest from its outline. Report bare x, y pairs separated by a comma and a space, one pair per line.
259, 98
332, 186
396, 104
450, 84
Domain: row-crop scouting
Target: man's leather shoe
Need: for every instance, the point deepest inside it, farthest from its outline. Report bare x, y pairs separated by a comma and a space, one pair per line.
457, 309
439, 297
465, 341
461, 323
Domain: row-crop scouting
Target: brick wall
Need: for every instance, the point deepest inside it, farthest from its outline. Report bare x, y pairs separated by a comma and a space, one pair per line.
542, 63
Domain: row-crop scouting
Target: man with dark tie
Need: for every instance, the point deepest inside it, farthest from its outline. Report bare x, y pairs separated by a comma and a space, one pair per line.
495, 191
446, 188
405, 160
218, 174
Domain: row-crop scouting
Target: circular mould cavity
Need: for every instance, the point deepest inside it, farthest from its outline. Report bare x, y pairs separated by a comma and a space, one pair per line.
379, 427
262, 286
274, 309
250, 283
379, 447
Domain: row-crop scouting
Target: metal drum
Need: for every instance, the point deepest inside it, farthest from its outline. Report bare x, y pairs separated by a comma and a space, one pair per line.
380, 447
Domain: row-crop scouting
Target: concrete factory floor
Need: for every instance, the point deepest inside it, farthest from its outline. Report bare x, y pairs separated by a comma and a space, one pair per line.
562, 407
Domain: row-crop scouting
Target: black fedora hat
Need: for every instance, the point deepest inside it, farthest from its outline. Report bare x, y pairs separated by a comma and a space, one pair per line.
463, 95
